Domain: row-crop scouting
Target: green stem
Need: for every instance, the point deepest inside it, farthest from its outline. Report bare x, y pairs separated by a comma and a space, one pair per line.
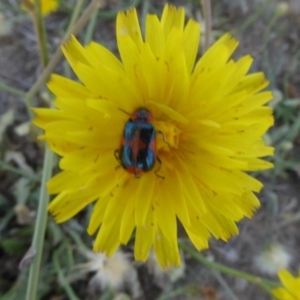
266, 61
264, 283
6, 166
91, 27
58, 54
40, 32
76, 238
40, 228
74, 16
76, 11
39, 26
208, 22
62, 279
11, 90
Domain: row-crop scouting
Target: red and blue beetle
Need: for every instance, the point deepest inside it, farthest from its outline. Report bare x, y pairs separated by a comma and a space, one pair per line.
137, 152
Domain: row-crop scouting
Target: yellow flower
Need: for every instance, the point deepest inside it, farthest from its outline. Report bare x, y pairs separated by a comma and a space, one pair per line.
209, 120
291, 286
47, 6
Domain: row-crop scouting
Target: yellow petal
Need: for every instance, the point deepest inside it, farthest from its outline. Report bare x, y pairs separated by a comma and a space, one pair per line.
64, 87
107, 240
155, 36
144, 196
144, 237
191, 38
128, 26
172, 18
166, 218
166, 251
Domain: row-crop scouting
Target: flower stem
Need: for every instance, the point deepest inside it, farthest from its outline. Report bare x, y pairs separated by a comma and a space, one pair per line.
39, 26
74, 16
62, 279
40, 228
91, 27
41, 221
40, 32
264, 283
6, 166
15, 92
11, 90
208, 22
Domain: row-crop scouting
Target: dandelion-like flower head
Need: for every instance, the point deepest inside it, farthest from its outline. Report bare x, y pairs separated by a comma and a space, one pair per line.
187, 130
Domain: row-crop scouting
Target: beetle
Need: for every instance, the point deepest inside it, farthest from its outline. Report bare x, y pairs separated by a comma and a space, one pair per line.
137, 152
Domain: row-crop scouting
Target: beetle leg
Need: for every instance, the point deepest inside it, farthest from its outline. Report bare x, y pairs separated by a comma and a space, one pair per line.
164, 137
116, 154
156, 172
124, 111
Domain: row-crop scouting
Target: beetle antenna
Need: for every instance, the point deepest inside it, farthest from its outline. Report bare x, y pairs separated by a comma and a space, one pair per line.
124, 111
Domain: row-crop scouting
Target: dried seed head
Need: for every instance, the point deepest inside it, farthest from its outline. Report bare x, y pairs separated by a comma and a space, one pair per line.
272, 258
